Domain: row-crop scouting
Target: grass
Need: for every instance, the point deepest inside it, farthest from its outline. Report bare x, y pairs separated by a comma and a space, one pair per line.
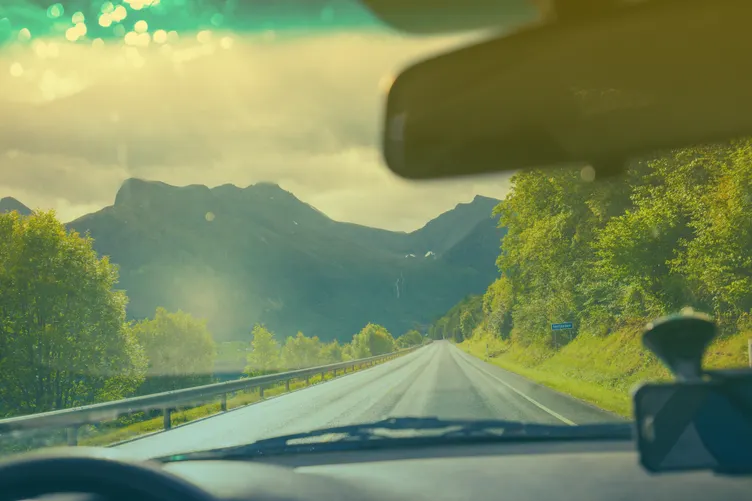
599, 370
116, 431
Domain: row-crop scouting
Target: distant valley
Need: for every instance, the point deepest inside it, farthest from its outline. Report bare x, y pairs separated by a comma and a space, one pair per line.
240, 256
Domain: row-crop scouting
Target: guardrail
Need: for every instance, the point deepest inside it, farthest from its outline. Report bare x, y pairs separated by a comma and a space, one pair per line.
75, 417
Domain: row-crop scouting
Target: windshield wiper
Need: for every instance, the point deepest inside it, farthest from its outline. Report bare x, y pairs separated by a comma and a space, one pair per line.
408, 431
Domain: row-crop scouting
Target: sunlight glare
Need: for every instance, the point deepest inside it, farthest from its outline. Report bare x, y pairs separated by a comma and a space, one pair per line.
16, 69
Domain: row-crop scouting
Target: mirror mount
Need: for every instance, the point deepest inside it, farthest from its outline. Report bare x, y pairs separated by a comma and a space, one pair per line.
680, 342
701, 421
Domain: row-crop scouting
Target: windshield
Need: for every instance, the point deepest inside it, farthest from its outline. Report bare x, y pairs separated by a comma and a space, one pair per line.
193, 194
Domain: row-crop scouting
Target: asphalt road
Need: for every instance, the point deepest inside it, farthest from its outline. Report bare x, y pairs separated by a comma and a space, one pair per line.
438, 380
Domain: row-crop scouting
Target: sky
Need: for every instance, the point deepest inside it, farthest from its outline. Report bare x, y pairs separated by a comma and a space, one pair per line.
78, 116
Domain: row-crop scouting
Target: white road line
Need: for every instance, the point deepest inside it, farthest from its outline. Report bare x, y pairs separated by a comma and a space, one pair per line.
518, 392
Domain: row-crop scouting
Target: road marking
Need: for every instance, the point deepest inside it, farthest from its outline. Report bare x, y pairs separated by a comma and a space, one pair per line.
518, 392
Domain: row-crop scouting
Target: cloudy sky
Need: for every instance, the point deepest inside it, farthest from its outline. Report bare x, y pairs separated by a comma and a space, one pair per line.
213, 108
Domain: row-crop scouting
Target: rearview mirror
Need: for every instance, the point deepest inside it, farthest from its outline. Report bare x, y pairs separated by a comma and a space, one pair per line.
596, 91
695, 425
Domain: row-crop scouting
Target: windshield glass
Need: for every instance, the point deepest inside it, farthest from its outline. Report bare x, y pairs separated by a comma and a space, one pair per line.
193, 194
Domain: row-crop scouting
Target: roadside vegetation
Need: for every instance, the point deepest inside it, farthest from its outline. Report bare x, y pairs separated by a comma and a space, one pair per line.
65, 341
610, 256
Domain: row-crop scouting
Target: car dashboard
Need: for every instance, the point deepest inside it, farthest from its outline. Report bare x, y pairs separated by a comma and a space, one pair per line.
564, 471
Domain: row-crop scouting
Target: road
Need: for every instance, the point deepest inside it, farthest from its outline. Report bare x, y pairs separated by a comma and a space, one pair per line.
438, 380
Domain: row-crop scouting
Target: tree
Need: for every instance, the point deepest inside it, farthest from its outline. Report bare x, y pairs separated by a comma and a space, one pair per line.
449, 326
372, 340
301, 351
63, 338
467, 324
331, 353
498, 302
264, 357
673, 232
349, 352
179, 349
409, 338
717, 263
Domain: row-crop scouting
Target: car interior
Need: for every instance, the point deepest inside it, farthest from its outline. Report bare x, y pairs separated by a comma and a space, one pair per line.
593, 84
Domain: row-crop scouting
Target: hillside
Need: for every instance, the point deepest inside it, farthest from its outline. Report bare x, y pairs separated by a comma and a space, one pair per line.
610, 257
238, 256
9, 204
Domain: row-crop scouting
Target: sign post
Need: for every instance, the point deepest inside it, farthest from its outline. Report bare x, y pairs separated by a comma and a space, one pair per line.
560, 327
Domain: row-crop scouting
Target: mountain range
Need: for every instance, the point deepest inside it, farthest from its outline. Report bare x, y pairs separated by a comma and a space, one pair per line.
240, 256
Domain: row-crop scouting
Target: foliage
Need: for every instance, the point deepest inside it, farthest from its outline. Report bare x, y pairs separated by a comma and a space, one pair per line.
180, 351
674, 232
459, 322
331, 353
408, 339
372, 340
63, 338
301, 351
267, 356
264, 357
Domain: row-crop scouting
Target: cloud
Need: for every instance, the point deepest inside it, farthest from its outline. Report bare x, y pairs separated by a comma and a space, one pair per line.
302, 111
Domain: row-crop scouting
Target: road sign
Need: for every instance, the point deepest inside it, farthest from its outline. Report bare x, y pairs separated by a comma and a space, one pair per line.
562, 326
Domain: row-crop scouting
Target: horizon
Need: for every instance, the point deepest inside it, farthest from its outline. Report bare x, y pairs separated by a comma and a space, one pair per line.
302, 200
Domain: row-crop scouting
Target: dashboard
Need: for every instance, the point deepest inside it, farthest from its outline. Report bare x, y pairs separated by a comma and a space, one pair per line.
516, 471
569, 471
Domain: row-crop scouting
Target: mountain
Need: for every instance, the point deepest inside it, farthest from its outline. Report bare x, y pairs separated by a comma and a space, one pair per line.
238, 256
9, 204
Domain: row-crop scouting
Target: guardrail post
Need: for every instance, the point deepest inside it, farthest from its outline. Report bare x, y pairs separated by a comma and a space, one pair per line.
287, 385
307, 380
73, 435
223, 402
749, 351
261, 392
167, 415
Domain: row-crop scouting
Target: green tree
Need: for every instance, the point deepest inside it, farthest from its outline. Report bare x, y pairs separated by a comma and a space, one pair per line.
716, 261
449, 326
673, 232
349, 352
63, 338
179, 348
550, 227
331, 353
467, 324
408, 339
264, 357
301, 351
498, 302
372, 340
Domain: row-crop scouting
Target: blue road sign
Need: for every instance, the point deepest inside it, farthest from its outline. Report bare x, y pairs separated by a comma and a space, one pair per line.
562, 326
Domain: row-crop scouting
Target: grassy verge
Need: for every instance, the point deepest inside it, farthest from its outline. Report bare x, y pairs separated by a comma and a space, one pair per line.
599, 370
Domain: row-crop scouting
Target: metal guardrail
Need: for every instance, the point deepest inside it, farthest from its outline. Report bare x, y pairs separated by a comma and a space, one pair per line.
76, 417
